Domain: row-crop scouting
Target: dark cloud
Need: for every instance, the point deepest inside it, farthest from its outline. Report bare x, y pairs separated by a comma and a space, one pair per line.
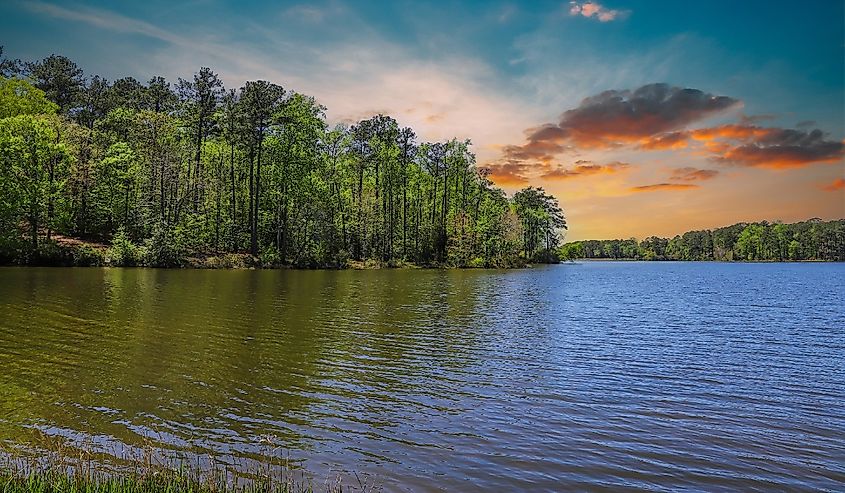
693, 174
664, 186
584, 168
651, 115
620, 117
781, 148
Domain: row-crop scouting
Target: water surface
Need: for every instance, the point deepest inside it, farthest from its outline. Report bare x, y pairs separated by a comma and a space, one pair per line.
603, 375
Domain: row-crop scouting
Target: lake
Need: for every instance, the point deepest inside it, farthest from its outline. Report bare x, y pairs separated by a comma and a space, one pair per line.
593, 376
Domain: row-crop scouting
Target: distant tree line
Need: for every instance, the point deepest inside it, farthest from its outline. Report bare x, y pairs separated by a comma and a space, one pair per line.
807, 240
163, 172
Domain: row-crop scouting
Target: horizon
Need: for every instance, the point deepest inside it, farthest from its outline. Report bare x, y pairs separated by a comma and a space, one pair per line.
642, 119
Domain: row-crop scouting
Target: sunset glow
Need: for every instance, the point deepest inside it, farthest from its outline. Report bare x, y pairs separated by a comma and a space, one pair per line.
640, 117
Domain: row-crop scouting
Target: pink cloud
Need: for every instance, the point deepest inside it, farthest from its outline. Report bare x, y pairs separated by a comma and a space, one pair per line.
596, 10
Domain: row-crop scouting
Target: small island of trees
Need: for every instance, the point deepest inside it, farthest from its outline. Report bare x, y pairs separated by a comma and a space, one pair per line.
95, 172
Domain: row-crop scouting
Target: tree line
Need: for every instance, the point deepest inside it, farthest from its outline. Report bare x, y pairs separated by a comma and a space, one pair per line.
165, 172
807, 240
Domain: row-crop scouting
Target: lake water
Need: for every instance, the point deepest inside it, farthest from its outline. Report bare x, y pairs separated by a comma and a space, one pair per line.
595, 376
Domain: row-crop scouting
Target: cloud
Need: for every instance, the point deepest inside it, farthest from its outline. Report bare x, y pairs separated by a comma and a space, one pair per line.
596, 11
751, 119
584, 168
307, 13
662, 142
777, 148
664, 186
835, 185
450, 96
103, 19
618, 117
650, 115
509, 174
693, 174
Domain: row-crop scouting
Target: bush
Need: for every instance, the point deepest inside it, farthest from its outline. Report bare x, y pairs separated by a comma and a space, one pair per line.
11, 247
165, 247
123, 252
52, 254
88, 256
227, 261
477, 263
269, 257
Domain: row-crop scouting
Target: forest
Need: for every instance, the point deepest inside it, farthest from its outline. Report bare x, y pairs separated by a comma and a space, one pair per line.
807, 240
94, 172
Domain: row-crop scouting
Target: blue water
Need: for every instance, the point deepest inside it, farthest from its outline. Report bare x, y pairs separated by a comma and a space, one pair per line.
610, 376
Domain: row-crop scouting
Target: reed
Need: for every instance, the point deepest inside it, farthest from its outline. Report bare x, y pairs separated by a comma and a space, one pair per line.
61, 469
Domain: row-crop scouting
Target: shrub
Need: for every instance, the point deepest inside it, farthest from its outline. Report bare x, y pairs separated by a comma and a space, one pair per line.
88, 256
52, 254
123, 252
165, 247
477, 263
269, 257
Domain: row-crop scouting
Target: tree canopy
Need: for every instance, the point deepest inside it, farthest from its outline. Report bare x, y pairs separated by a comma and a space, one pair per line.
196, 169
807, 240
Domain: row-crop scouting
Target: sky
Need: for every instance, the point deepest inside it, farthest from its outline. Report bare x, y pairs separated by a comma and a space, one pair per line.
642, 117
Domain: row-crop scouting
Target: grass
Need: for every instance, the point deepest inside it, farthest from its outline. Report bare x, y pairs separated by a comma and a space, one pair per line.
73, 470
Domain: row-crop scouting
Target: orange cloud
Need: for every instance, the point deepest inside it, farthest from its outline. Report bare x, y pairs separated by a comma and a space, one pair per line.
784, 148
672, 140
693, 174
664, 186
768, 147
508, 174
650, 115
730, 131
837, 184
584, 168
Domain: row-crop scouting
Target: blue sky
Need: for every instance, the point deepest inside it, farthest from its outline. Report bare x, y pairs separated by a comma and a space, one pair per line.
494, 71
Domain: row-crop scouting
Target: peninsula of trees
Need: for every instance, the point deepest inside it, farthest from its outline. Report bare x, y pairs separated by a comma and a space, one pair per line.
808, 240
131, 173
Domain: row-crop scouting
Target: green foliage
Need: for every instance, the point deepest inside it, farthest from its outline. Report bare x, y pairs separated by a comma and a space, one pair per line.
123, 252
808, 240
88, 256
18, 97
541, 218
571, 251
165, 248
255, 169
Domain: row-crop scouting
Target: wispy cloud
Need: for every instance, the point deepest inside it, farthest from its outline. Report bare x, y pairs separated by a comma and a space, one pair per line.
657, 187
103, 19
595, 10
693, 174
834, 186
584, 168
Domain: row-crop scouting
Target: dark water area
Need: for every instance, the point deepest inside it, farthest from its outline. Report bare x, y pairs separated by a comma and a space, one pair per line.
598, 376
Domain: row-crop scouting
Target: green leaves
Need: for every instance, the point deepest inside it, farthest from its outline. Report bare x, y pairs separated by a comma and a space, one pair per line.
18, 97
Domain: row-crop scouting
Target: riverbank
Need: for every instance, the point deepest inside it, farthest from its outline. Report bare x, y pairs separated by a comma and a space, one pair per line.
65, 251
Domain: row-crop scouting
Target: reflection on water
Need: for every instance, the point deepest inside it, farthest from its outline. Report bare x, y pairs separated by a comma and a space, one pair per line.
649, 375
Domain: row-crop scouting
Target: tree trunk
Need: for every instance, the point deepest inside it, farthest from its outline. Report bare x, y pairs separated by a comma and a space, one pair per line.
234, 203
